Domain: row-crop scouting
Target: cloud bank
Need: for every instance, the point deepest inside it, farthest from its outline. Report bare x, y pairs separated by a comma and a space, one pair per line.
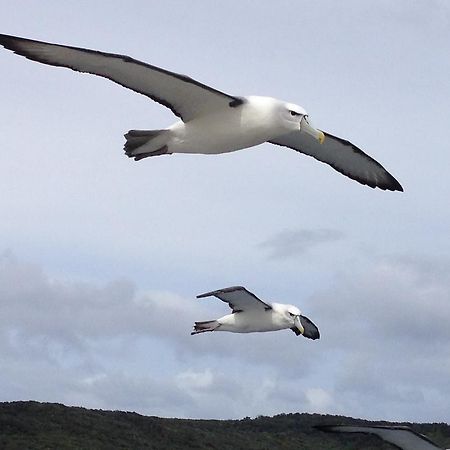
385, 344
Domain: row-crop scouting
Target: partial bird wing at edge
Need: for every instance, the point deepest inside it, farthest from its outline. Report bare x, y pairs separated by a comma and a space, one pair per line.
238, 298
403, 437
187, 98
343, 156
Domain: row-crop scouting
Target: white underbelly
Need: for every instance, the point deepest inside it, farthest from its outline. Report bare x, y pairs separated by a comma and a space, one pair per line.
219, 133
250, 323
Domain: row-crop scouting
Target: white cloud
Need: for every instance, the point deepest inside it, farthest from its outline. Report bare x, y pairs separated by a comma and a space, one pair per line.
320, 401
389, 329
195, 380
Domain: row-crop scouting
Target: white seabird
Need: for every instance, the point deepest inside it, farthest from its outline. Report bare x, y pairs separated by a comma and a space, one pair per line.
211, 122
250, 315
402, 437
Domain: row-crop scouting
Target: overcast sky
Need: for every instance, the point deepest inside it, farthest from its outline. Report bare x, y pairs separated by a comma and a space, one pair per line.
101, 257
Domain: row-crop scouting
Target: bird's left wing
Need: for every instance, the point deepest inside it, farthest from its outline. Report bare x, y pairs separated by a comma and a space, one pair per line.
402, 437
187, 98
343, 156
239, 299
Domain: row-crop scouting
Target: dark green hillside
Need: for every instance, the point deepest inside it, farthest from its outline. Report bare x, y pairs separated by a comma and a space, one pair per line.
32, 425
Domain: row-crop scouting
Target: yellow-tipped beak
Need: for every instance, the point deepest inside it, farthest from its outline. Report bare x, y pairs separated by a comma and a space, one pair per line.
308, 128
321, 136
299, 325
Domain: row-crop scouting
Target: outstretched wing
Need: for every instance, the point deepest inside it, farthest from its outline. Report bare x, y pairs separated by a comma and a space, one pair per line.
343, 156
310, 328
186, 97
402, 437
239, 299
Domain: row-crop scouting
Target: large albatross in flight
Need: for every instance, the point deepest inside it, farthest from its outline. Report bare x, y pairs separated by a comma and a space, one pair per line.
403, 438
212, 121
251, 315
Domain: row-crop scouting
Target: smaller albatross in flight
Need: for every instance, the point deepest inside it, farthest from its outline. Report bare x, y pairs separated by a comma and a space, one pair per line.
212, 121
401, 437
250, 315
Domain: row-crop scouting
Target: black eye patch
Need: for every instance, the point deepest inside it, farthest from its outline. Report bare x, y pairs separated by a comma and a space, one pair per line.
293, 113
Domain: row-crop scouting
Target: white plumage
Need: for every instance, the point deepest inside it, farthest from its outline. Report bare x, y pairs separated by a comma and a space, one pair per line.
211, 122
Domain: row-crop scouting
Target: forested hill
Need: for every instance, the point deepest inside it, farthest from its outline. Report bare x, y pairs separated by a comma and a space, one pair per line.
33, 425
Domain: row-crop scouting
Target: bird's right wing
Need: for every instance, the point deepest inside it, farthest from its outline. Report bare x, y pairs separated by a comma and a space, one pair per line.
343, 156
239, 299
311, 330
403, 437
187, 98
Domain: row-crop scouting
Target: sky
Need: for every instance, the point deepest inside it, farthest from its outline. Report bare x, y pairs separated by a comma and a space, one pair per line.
101, 257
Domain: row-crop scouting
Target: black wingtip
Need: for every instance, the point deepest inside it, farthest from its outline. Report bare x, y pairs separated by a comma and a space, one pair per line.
6, 38
387, 184
10, 42
13, 43
398, 186
317, 336
393, 185
313, 336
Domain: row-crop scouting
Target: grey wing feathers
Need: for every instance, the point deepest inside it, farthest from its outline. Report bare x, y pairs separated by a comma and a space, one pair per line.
311, 330
344, 157
187, 98
402, 437
238, 298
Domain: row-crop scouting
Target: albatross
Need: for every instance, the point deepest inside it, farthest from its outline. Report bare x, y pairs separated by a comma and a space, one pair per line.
250, 315
401, 437
211, 121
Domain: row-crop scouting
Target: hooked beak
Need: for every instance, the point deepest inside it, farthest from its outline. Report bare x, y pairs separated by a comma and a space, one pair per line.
307, 128
298, 324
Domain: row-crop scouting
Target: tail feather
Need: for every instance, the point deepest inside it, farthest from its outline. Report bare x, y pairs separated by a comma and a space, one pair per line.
203, 327
144, 143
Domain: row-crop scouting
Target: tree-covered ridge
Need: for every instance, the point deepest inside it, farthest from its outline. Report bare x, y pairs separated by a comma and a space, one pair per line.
33, 425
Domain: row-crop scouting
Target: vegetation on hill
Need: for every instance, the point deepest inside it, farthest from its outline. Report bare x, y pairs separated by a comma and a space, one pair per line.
35, 426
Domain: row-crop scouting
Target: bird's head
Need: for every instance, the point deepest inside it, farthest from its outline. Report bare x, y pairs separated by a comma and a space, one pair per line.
292, 115
292, 312
296, 118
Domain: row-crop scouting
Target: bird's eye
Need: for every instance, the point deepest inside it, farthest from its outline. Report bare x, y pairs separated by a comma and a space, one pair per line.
293, 113
292, 315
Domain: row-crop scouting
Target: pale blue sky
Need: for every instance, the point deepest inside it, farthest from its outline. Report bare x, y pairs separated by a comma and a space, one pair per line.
97, 248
